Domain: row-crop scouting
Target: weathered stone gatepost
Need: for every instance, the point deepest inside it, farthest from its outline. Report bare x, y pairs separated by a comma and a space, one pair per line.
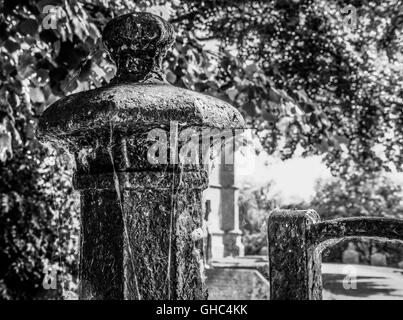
298, 237
294, 262
141, 214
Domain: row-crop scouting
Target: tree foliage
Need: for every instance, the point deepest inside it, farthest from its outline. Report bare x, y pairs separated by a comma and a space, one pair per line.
329, 87
376, 195
370, 194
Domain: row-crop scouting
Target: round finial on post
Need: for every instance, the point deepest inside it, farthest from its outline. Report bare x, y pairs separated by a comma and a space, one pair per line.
138, 42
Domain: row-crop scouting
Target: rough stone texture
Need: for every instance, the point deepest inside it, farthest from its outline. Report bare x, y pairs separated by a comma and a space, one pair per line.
140, 222
294, 264
130, 106
101, 236
297, 239
138, 258
137, 43
328, 232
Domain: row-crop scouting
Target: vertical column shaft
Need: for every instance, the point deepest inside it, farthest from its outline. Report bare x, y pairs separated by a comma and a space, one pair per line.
294, 263
142, 239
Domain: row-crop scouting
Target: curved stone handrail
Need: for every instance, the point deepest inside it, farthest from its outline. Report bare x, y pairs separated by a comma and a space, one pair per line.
325, 233
296, 239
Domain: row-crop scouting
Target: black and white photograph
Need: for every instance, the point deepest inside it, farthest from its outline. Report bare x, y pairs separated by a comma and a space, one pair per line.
226, 152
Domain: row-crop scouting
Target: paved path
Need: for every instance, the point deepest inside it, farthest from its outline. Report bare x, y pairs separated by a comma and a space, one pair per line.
372, 283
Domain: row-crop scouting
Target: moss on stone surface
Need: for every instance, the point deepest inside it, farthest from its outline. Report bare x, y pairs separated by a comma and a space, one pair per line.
138, 218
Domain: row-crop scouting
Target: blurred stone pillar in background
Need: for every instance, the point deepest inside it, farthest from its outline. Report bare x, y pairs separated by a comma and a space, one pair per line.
141, 210
229, 207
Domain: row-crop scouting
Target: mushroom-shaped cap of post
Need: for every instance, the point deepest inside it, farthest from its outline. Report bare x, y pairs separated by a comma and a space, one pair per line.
138, 96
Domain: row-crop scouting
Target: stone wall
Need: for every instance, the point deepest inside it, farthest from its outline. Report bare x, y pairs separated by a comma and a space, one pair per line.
236, 284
